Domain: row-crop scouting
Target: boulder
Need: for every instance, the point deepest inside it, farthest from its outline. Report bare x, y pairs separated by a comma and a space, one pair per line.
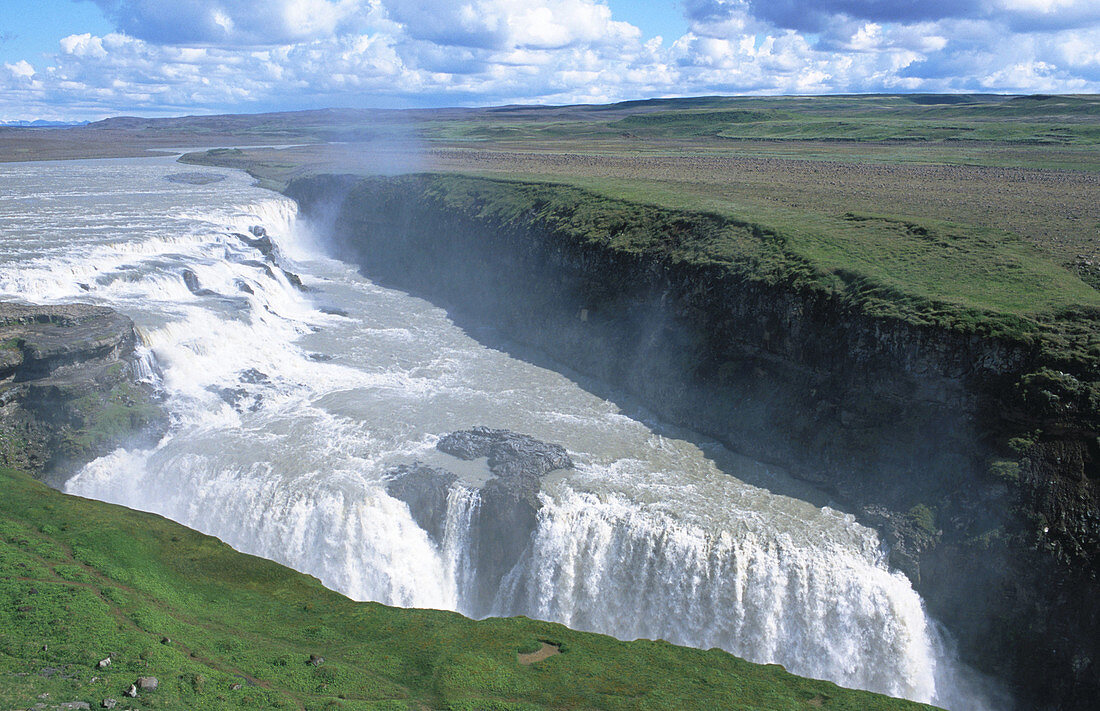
294, 279
147, 683
263, 244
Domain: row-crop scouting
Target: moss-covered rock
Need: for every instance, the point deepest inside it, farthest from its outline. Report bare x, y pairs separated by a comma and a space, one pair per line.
68, 386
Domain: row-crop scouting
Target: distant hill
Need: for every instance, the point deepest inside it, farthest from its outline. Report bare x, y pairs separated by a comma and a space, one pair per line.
41, 123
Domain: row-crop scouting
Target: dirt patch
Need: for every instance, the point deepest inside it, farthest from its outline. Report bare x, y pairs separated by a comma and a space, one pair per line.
547, 650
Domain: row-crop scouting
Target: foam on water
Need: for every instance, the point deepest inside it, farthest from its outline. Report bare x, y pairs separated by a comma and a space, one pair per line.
282, 453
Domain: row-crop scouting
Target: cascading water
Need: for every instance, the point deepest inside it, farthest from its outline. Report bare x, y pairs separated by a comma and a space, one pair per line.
459, 546
604, 563
288, 406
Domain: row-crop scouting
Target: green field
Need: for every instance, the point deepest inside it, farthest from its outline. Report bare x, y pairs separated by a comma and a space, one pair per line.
82, 580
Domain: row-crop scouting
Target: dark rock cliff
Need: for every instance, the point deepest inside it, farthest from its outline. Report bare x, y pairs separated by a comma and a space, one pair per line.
507, 503
931, 434
68, 387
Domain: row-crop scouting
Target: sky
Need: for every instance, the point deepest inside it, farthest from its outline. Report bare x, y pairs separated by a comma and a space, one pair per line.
90, 59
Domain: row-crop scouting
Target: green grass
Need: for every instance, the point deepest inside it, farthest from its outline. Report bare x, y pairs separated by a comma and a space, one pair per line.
1041, 121
927, 272
81, 580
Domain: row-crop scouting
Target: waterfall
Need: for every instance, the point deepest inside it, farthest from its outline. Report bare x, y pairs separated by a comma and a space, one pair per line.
288, 405
606, 564
459, 545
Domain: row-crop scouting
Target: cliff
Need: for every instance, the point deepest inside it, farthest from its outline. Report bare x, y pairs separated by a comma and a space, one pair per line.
967, 436
69, 387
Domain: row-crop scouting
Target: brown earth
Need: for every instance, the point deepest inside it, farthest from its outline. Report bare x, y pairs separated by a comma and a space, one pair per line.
545, 652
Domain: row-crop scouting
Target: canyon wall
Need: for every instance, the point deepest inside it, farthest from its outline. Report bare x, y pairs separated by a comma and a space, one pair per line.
974, 455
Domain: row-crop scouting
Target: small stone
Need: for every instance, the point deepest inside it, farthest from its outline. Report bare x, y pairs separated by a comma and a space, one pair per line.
316, 660
44, 696
132, 692
45, 647
235, 687
165, 640
109, 703
104, 663
147, 683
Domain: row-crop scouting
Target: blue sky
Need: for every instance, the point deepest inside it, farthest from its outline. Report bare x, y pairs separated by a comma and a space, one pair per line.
88, 59
32, 28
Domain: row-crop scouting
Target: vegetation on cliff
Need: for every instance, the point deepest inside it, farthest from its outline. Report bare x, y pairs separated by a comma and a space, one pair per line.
83, 581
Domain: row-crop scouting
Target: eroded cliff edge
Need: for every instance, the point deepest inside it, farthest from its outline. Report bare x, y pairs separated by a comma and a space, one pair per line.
968, 439
70, 387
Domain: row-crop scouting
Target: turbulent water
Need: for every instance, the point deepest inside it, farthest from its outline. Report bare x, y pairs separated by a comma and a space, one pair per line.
287, 406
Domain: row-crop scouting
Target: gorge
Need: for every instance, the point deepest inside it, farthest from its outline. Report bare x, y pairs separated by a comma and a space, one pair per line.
734, 435
969, 446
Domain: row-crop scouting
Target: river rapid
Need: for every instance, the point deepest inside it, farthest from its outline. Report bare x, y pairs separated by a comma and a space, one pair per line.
288, 405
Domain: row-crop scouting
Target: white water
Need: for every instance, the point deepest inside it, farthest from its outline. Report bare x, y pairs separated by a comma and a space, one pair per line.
281, 454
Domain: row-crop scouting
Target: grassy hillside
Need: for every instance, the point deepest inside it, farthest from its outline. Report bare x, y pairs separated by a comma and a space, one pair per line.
81, 580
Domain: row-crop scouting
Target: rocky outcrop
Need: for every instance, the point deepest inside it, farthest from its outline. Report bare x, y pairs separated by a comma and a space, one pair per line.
507, 505
261, 242
68, 388
424, 488
516, 459
931, 433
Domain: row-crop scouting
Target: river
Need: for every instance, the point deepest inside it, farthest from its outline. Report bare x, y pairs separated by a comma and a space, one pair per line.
287, 406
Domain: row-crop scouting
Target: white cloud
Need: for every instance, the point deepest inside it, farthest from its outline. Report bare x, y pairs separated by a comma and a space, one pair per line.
21, 69
1041, 6
193, 56
501, 24
84, 45
238, 22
